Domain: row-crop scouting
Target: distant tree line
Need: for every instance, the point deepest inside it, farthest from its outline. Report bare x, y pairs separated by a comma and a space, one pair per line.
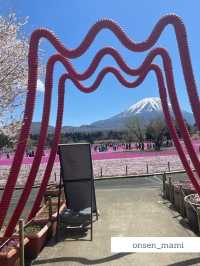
91, 137
155, 132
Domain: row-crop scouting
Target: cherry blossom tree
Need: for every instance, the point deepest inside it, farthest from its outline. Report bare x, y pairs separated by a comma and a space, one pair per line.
13, 73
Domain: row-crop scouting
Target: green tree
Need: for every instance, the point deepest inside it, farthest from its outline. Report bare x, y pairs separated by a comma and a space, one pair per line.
157, 132
4, 141
188, 126
135, 131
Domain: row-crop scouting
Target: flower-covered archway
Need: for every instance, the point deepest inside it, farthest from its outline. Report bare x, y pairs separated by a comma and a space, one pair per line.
166, 86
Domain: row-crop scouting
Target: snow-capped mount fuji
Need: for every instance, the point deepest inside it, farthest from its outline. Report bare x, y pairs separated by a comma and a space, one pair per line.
146, 110
147, 105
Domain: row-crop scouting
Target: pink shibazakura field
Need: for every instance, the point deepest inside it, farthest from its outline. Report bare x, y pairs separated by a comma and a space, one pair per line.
111, 163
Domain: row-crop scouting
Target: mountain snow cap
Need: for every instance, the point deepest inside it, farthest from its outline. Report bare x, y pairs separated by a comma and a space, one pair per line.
146, 105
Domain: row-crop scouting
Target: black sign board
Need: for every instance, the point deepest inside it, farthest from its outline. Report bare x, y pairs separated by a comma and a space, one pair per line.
77, 176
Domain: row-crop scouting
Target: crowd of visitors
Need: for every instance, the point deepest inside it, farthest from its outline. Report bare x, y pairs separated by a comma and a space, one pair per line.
112, 147
123, 147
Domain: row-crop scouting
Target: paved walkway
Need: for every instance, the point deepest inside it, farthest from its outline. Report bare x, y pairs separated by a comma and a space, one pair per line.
131, 207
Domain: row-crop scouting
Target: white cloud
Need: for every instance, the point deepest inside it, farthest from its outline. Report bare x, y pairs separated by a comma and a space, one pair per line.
40, 85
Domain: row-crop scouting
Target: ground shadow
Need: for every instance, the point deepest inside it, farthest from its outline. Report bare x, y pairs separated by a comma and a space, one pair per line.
185, 224
179, 218
189, 262
173, 207
83, 261
76, 234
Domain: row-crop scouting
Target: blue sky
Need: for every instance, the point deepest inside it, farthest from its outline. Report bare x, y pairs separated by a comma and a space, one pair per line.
71, 20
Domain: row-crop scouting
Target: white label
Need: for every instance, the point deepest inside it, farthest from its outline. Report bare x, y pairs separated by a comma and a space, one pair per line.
155, 244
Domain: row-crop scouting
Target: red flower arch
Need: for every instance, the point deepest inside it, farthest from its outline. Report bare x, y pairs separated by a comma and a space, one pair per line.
63, 55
